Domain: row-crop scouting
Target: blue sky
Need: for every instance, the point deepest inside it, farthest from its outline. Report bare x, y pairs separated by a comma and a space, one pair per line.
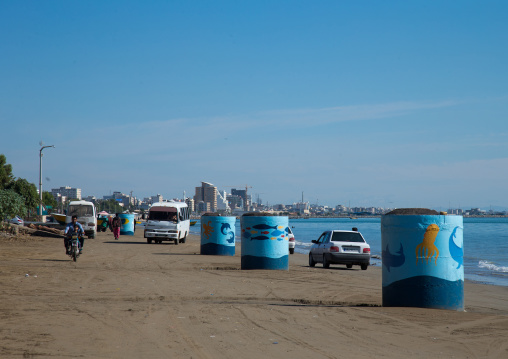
361, 103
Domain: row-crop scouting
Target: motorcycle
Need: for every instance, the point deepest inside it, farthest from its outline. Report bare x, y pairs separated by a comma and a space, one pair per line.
74, 247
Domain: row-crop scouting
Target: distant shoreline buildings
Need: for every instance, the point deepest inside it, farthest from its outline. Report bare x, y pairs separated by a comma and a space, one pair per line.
208, 198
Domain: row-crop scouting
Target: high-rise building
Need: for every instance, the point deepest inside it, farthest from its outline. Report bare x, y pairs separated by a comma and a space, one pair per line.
242, 193
69, 192
207, 193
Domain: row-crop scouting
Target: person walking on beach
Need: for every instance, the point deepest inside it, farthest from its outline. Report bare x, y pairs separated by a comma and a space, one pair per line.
117, 223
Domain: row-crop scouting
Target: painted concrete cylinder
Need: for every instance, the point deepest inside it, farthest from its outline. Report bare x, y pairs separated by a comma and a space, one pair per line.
218, 235
265, 242
127, 227
423, 261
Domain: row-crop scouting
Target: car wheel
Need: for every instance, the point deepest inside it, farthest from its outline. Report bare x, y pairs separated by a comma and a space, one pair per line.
349, 266
325, 262
311, 261
176, 241
364, 266
149, 241
291, 250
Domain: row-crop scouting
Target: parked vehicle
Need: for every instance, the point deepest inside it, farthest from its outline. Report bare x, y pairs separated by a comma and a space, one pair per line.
17, 220
167, 221
292, 242
86, 216
102, 224
340, 247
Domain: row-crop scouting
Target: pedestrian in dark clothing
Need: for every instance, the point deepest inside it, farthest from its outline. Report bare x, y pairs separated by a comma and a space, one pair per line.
117, 223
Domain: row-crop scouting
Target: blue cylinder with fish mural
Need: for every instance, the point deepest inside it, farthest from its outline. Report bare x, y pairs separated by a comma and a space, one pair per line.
127, 227
264, 242
422, 259
217, 235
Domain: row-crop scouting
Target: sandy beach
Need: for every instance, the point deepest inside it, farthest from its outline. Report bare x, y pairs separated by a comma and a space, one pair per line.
128, 299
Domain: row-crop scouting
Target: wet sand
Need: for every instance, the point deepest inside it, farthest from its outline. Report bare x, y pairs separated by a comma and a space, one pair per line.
128, 299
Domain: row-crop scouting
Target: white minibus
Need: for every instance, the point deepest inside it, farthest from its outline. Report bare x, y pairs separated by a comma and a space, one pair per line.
85, 211
167, 221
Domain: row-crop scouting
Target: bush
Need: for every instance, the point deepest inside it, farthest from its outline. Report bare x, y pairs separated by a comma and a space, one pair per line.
11, 204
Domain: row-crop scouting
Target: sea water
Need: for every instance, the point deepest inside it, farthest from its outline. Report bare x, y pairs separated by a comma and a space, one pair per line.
485, 242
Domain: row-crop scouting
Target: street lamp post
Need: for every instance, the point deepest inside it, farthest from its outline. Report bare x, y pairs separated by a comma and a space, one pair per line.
40, 177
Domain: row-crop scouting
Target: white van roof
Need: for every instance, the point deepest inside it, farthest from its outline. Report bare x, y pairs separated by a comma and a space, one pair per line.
169, 204
80, 202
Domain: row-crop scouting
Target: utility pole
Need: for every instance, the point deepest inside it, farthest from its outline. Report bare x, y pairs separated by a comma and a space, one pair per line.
40, 175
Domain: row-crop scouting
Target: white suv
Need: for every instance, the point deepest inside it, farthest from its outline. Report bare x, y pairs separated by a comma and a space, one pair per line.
340, 247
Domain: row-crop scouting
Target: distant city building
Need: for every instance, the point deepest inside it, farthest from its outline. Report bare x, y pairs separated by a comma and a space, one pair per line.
122, 199
157, 198
202, 207
60, 199
69, 192
279, 207
235, 202
477, 212
207, 193
190, 203
222, 202
302, 207
246, 197
145, 206
341, 209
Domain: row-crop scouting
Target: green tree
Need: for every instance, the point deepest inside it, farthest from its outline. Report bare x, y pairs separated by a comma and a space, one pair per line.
48, 199
5, 172
109, 205
11, 204
26, 190
114, 207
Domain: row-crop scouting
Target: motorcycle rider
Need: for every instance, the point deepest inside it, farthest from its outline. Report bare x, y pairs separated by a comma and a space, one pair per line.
74, 227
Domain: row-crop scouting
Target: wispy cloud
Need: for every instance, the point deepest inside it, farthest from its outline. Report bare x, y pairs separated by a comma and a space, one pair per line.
157, 138
201, 128
320, 116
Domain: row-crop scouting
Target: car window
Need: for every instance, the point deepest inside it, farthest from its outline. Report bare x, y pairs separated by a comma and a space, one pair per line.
321, 238
80, 211
326, 238
347, 237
